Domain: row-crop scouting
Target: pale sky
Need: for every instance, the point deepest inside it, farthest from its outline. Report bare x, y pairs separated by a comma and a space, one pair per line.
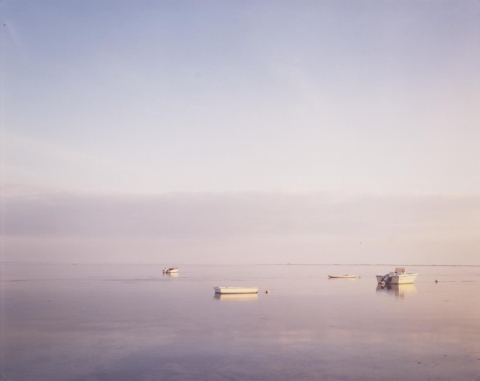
158, 109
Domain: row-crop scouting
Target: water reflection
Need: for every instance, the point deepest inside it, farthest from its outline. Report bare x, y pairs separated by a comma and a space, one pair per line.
171, 275
399, 290
236, 296
64, 322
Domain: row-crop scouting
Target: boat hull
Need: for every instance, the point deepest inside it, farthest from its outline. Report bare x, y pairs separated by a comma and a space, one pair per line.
399, 279
342, 276
235, 290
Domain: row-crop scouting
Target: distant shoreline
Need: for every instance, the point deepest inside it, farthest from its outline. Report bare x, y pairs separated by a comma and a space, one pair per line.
367, 264
237, 264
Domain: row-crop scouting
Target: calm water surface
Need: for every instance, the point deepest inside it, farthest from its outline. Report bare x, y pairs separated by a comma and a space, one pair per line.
130, 322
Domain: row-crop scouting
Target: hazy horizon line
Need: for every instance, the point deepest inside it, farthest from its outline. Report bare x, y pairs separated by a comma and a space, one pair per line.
238, 264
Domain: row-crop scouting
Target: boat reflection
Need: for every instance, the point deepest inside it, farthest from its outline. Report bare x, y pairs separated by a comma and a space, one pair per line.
171, 275
244, 297
399, 290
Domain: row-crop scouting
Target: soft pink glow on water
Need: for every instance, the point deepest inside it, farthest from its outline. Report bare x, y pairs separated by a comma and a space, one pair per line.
115, 322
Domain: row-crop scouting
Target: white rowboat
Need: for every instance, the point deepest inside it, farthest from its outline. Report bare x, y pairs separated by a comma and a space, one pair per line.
170, 270
342, 276
235, 290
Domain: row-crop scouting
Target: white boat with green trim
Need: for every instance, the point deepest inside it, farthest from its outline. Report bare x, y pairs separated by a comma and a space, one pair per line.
170, 270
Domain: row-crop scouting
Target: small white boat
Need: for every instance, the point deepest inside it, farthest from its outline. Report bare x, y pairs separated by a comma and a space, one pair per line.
235, 290
342, 276
399, 276
170, 270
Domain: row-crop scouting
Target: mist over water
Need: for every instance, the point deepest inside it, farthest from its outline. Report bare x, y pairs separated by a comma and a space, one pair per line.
242, 228
130, 322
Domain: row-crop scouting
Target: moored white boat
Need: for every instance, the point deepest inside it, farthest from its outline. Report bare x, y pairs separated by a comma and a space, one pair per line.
399, 276
342, 276
170, 270
235, 290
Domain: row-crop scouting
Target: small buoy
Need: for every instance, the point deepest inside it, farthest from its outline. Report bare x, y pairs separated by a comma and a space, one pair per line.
267, 292
436, 280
